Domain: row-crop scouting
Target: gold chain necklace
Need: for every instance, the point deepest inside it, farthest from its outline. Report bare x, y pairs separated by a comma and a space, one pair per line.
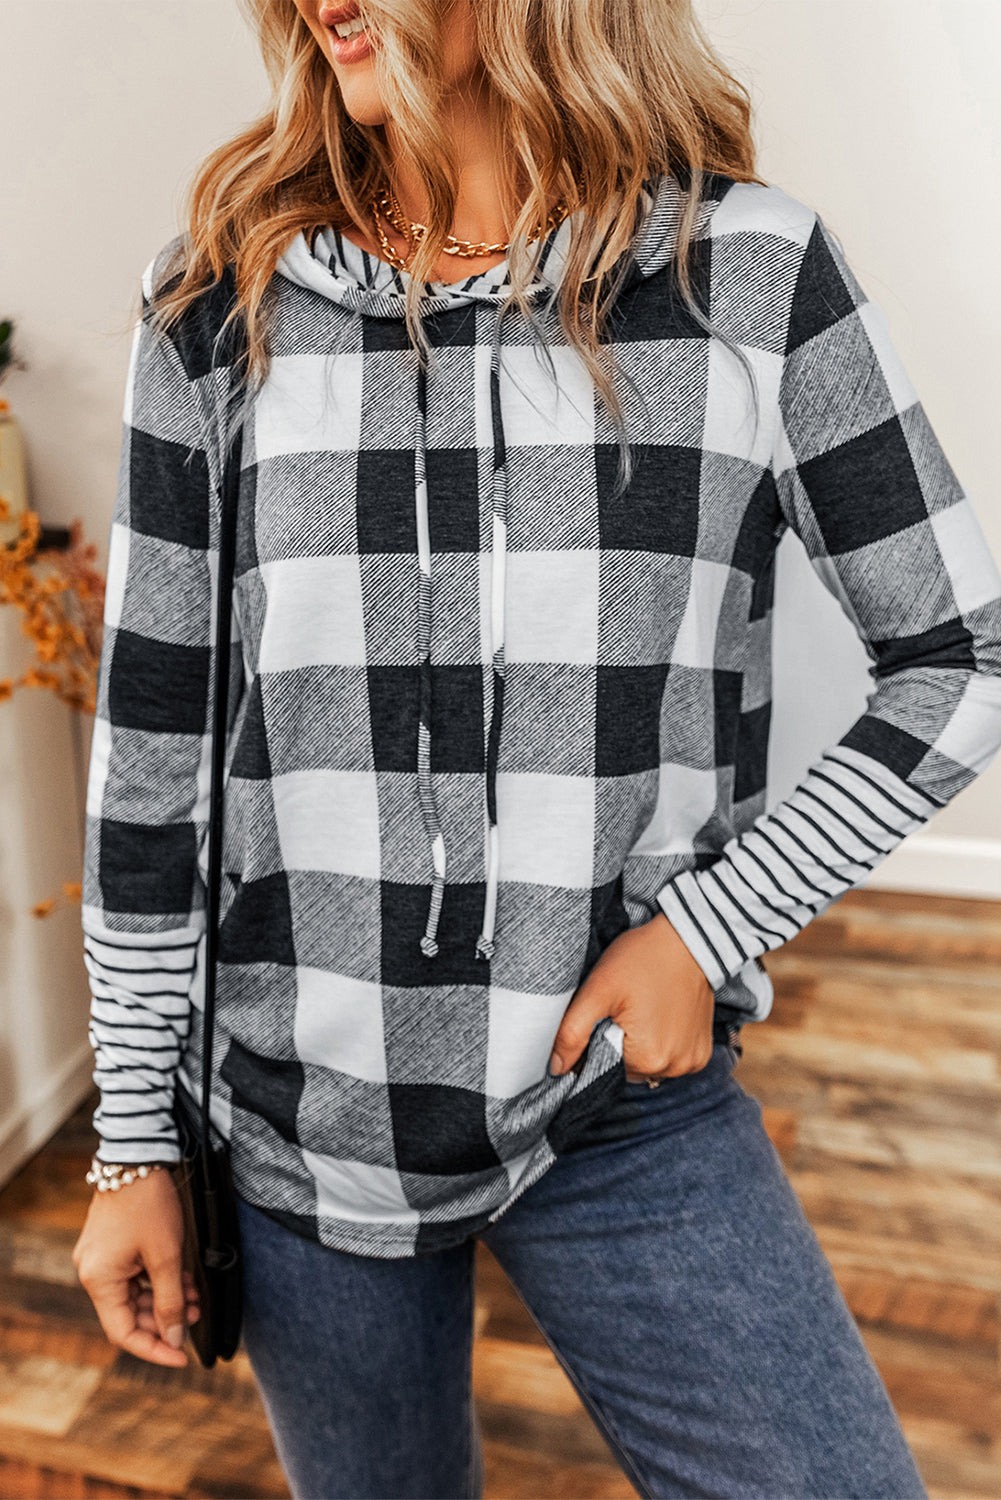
385, 204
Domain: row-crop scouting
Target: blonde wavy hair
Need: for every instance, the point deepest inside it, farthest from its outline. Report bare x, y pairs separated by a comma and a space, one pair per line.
593, 98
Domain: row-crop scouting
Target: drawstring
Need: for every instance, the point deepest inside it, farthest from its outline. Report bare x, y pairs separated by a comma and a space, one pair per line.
486, 943
432, 822
335, 266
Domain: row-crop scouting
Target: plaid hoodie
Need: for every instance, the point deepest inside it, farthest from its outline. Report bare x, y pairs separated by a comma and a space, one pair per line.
484, 716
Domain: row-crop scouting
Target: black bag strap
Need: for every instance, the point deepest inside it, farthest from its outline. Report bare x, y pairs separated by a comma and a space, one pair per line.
227, 552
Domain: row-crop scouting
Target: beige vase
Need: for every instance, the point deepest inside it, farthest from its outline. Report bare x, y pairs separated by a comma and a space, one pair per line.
13, 478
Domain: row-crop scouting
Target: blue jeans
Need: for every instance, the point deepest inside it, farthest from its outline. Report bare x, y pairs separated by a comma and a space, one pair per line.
669, 1264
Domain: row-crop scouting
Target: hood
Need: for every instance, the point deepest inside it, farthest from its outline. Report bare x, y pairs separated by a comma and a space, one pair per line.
339, 269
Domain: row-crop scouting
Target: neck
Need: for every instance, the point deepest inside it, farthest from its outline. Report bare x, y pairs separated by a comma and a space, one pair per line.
470, 123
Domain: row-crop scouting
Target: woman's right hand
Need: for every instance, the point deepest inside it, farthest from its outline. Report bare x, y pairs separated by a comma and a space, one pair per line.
132, 1235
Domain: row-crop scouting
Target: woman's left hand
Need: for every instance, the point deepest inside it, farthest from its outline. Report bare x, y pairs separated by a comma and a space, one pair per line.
648, 981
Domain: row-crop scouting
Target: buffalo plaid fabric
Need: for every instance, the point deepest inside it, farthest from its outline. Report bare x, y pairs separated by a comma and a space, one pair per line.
486, 713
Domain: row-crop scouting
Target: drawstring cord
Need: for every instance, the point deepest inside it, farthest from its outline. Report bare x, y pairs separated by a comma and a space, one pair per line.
364, 284
432, 822
486, 943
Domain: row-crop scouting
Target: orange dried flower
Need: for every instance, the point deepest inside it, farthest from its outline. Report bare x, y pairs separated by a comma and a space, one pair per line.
70, 893
61, 597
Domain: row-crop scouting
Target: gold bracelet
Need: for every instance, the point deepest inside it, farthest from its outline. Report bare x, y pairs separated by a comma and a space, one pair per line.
105, 1175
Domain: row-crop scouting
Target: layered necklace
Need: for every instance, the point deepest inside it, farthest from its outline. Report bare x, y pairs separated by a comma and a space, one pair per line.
384, 204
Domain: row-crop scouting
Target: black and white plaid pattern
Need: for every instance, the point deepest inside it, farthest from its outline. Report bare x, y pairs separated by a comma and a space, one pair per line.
412, 549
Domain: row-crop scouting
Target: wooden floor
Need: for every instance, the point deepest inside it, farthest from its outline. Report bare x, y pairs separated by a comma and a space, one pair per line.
880, 1075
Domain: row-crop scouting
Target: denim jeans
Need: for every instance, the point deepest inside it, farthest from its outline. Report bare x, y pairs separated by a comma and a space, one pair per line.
669, 1264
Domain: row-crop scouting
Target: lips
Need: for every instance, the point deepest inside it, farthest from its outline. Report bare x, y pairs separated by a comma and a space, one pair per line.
359, 45
333, 15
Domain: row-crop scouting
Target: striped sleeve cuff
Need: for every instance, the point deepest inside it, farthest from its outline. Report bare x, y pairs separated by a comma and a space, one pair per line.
139, 1020
846, 815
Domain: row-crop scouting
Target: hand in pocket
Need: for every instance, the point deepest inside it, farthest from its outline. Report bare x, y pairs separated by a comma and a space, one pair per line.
649, 982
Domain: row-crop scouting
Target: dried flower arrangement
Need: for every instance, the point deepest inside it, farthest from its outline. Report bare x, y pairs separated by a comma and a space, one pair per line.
6, 345
61, 597
8, 359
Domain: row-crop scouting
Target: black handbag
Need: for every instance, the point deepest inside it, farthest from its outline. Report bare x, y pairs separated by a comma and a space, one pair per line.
203, 1177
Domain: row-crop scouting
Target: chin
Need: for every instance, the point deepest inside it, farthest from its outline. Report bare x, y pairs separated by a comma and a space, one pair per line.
363, 103
360, 93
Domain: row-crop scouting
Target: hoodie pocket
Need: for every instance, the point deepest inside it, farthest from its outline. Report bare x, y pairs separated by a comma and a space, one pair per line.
595, 1082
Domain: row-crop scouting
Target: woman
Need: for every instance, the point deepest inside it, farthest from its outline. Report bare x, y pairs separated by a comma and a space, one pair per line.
539, 372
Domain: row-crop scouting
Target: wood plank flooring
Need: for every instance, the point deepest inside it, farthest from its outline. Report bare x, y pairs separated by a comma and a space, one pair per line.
879, 1071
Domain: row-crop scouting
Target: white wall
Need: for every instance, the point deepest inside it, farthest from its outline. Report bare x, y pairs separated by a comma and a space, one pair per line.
117, 102
885, 116
882, 114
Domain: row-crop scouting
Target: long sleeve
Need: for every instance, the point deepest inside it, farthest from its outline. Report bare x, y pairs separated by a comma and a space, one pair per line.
891, 533
143, 908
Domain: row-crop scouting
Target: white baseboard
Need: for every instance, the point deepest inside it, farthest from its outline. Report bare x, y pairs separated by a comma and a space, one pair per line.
942, 867
32, 1123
